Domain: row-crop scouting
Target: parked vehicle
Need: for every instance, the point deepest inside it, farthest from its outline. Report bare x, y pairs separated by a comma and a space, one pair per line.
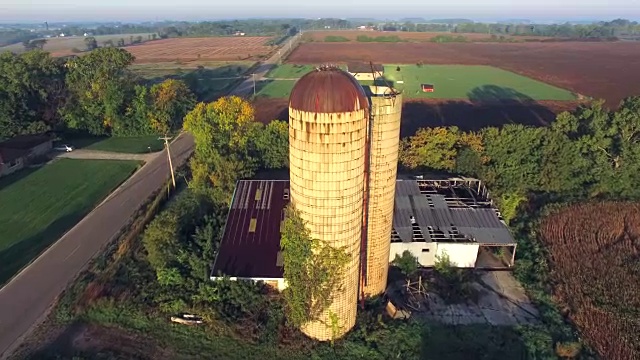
64, 147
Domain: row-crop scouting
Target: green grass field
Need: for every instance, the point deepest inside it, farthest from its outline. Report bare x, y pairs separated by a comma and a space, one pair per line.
39, 205
275, 88
477, 83
461, 82
125, 144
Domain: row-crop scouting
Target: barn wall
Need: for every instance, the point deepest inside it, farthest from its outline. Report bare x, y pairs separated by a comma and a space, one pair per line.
461, 255
424, 251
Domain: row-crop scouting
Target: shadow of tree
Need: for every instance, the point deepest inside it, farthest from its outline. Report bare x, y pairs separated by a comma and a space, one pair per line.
497, 94
17, 256
208, 84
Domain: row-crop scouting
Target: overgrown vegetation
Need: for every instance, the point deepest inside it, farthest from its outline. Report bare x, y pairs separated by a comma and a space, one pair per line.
448, 39
588, 154
390, 38
333, 38
95, 94
603, 305
312, 269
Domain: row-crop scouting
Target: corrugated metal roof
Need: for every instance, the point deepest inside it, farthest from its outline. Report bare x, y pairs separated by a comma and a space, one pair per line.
431, 210
328, 90
250, 250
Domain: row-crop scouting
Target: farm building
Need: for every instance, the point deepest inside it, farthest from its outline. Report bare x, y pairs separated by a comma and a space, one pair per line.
17, 152
453, 216
431, 217
364, 71
428, 88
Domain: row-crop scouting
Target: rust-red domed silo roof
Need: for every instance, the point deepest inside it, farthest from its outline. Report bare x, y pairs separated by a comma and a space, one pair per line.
328, 89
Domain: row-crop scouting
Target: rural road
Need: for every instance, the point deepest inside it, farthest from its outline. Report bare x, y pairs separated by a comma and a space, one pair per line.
27, 298
246, 87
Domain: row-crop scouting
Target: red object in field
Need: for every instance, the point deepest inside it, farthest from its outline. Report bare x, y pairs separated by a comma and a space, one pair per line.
428, 88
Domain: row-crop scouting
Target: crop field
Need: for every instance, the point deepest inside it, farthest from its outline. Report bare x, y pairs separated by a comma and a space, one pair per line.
594, 254
607, 70
62, 46
58, 195
352, 35
209, 48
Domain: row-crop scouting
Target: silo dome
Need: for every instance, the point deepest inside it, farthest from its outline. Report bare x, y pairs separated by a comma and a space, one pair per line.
328, 89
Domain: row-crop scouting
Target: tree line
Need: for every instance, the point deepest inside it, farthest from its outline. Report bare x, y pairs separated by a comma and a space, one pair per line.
95, 94
592, 152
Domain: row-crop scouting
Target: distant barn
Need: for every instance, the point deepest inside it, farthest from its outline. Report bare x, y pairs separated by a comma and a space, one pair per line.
428, 88
364, 71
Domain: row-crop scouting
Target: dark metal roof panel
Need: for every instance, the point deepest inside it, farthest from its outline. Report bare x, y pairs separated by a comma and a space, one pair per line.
245, 253
328, 90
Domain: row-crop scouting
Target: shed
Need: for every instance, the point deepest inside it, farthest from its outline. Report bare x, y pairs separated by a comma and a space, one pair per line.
365, 71
428, 88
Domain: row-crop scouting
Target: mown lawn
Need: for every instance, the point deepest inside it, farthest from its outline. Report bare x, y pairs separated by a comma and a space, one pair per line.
475, 83
275, 88
38, 206
127, 144
459, 82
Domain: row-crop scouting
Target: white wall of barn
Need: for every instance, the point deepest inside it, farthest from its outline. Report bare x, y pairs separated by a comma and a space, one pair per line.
461, 255
424, 251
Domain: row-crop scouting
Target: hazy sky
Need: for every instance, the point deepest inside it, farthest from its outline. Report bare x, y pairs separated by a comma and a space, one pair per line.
136, 10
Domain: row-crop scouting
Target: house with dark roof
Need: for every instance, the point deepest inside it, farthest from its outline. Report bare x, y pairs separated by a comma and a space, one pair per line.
365, 71
18, 152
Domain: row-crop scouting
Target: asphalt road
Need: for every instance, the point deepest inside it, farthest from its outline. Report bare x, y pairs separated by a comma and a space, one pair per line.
27, 298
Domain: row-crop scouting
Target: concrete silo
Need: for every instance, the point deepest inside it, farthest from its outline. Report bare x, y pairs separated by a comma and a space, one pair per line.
384, 133
328, 117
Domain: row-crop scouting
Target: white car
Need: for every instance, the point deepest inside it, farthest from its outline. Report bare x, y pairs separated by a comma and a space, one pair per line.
67, 148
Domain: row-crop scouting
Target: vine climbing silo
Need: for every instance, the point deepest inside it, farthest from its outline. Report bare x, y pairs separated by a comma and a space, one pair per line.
386, 109
328, 116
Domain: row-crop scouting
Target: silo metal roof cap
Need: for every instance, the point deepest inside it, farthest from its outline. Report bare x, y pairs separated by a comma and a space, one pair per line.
328, 89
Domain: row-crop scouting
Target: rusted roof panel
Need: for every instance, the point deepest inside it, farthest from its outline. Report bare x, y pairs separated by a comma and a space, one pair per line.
328, 90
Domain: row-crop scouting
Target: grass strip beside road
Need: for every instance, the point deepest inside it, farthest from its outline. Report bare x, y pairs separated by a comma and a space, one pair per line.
38, 206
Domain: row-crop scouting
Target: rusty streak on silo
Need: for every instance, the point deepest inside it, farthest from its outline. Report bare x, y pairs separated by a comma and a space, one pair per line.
328, 115
386, 109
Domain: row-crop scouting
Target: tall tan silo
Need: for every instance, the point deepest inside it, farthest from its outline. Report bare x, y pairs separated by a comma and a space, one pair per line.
328, 115
386, 110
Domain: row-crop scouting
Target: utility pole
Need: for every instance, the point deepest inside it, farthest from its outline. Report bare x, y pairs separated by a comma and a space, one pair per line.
253, 76
166, 144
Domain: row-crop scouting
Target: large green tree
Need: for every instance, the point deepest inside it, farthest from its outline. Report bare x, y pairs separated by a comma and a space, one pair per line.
223, 131
100, 85
273, 145
32, 89
172, 100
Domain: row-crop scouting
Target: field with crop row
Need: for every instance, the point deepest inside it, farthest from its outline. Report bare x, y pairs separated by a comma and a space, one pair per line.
594, 254
210, 48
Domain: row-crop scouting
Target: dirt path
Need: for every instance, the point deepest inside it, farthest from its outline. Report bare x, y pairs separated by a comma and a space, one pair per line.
104, 155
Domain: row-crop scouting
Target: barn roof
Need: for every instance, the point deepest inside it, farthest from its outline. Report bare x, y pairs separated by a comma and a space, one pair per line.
443, 214
251, 239
328, 90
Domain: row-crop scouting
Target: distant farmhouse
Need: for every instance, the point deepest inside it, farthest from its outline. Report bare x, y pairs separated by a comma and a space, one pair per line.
364, 71
431, 217
18, 152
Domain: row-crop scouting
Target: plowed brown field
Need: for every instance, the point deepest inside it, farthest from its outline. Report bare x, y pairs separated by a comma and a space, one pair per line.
407, 35
607, 70
430, 113
210, 48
